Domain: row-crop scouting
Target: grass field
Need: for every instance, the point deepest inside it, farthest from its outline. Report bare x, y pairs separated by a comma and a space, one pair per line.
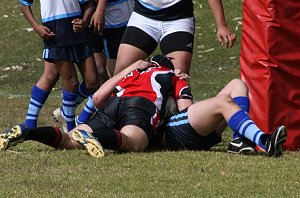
34, 170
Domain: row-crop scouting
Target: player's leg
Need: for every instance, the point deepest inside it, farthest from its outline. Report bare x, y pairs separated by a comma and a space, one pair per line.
177, 42
135, 123
89, 73
112, 38
134, 139
100, 61
50, 136
84, 58
80, 137
70, 82
91, 83
40, 93
238, 90
211, 111
139, 41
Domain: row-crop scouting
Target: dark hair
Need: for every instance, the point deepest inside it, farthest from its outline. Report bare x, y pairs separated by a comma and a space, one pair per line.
163, 61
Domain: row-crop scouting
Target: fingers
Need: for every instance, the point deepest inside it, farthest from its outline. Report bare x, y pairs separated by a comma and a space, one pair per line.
45, 33
181, 75
227, 41
77, 24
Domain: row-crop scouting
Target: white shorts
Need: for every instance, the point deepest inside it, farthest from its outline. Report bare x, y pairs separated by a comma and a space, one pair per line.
159, 29
145, 34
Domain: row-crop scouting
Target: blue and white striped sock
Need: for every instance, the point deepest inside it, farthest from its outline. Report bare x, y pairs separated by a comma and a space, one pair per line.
69, 108
83, 93
244, 104
241, 122
87, 111
37, 100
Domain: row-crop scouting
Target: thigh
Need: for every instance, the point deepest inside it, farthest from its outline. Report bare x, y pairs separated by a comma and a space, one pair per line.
127, 55
179, 134
89, 71
182, 60
205, 116
133, 138
178, 35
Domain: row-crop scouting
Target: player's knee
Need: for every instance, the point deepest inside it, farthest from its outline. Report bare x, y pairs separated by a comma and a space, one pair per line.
93, 85
238, 84
224, 99
71, 84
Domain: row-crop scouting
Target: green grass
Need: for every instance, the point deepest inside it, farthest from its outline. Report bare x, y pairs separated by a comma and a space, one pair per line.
34, 170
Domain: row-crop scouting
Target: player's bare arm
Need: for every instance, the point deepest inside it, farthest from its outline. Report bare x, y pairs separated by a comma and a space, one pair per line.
108, 87
97, 20
224, 34
80, 24
43, 31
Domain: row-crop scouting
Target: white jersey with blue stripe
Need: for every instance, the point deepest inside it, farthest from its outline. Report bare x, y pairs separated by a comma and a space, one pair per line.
57, 9
158, 5
165, 10
117, 13
57, 15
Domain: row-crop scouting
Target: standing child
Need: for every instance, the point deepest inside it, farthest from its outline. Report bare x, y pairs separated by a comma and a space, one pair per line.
110, 19
64, 45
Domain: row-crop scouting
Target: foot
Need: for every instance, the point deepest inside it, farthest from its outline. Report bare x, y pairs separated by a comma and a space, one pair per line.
13, 136
87, 140
60, 118
241, 145
275, 142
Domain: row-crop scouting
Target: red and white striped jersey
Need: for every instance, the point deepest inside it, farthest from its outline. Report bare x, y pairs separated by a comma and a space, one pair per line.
155, 84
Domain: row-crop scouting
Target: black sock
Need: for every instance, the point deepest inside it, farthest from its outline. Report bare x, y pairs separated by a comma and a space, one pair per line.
109, 138
50, 136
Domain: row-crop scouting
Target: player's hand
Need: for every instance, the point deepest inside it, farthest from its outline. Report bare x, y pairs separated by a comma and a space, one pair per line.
97, 22
140, 65
44, 32
226, 37
78, 24
181, 75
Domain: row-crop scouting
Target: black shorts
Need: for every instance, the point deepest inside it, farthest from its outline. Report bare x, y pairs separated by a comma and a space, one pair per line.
121, 111
112, 38
96, 43
179, 134
95, 40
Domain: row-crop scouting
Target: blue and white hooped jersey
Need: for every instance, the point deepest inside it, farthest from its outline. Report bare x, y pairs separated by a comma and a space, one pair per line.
165, 10
117, 13
58, 15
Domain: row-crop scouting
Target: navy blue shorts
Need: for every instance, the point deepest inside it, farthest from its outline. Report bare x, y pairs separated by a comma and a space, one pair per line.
112, 38
95, 40
74, 53
180, 135
96, 43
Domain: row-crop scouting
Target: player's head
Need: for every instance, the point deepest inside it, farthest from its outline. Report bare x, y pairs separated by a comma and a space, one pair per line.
163, 61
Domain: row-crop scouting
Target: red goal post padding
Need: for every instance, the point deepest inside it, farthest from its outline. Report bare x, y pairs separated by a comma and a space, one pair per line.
270, 65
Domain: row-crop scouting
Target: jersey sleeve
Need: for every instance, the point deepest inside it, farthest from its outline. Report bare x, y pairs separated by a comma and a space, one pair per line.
181, 89
26, 2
